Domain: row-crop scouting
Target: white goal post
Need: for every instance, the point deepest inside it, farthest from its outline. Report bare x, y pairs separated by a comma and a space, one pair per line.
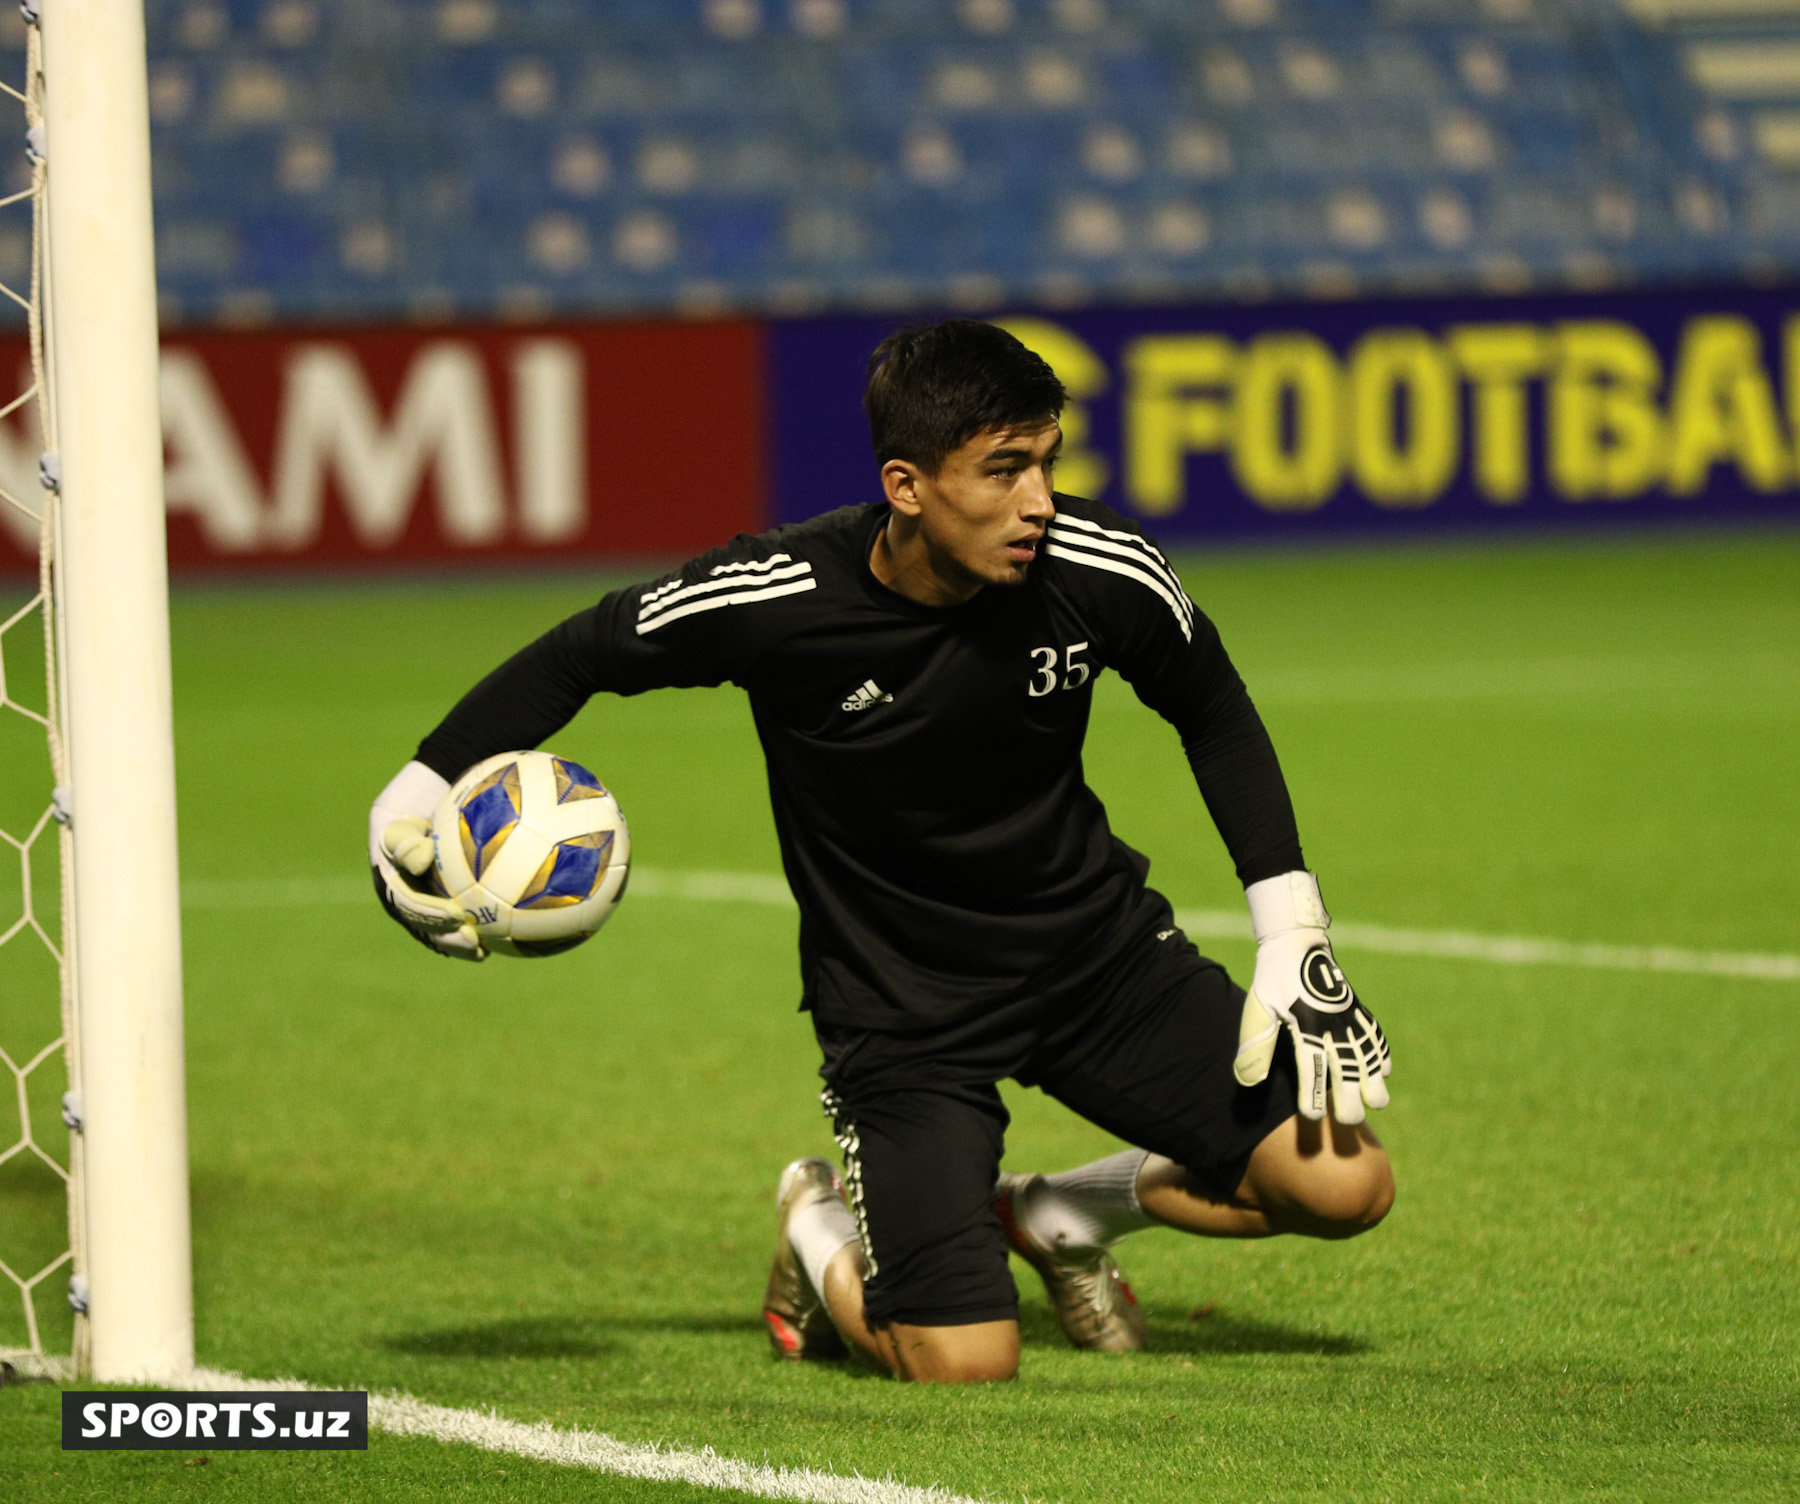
106, 612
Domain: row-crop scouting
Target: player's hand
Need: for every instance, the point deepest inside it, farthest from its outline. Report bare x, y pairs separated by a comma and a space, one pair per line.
401, 859
1337, 1043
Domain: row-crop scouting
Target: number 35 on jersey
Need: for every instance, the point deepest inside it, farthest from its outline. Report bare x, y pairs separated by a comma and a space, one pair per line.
1059, 668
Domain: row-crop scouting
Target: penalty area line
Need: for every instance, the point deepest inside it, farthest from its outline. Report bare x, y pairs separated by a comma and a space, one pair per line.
402, 1415
1208, 924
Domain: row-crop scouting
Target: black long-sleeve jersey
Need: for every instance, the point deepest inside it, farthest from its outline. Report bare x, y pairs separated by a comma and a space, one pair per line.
924, 762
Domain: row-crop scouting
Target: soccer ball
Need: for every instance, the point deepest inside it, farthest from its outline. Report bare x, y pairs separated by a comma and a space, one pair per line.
535, 849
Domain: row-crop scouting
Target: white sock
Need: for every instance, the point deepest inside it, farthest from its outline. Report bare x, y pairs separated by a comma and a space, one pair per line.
1090, 1206
817, 1232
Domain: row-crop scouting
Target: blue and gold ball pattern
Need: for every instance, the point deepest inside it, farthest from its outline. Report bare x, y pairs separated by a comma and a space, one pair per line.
580, 858
489, 812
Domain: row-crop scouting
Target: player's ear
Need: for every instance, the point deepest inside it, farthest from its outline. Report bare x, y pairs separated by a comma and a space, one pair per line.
900, 481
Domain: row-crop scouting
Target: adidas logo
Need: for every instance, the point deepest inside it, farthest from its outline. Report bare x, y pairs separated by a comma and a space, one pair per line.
866, 694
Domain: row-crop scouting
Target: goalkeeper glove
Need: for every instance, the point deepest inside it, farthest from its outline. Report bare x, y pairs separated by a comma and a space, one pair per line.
400, 857
1337, 1043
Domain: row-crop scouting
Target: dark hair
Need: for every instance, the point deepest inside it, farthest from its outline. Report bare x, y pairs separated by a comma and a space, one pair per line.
932, 389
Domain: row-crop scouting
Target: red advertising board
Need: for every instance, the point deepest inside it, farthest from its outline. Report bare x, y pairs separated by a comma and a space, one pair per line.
492, 444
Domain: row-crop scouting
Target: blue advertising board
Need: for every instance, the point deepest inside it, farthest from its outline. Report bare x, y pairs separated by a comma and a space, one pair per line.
1370, 417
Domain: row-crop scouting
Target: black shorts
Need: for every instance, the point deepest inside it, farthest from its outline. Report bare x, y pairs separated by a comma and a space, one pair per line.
1140, 1044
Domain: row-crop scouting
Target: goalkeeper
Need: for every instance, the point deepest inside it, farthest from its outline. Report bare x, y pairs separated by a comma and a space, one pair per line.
921, 671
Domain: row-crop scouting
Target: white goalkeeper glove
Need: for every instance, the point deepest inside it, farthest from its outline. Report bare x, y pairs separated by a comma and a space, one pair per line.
1337, 1043
401, 859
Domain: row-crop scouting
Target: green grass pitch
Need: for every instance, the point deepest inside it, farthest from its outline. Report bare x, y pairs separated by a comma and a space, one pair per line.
547, 1187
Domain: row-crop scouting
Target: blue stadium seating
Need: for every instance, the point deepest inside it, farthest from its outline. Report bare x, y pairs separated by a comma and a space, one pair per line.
360, 159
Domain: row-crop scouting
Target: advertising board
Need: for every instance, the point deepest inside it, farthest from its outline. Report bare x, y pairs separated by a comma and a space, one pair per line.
1289, 420
484, 445
636, 441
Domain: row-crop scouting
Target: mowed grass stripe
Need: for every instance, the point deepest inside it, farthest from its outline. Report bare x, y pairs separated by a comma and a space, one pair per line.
1208, 924
402, 1415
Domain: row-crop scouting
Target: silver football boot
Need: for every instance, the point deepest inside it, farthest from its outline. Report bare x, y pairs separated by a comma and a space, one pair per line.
799, 1325
1088, 1291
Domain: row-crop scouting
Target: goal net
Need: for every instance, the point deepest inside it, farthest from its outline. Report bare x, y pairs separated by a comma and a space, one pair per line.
42, 1325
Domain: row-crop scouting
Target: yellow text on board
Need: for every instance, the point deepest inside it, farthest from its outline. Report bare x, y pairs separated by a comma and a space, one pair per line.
1405, 411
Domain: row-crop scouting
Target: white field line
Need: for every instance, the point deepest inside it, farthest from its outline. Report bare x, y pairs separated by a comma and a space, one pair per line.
402, 1415
320, 892
1517, 950
1209, 924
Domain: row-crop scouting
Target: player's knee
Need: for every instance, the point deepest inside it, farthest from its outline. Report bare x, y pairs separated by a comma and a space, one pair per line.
1352, 1197
1379, 1198
983, 1354
973, 1370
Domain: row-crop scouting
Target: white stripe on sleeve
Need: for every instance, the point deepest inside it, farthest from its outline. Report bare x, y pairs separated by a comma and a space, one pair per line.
754, 566
735, 598
1131, 571
735, 584
1125, 545
759, 566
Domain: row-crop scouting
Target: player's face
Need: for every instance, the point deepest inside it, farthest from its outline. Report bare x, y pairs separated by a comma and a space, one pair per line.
983, 515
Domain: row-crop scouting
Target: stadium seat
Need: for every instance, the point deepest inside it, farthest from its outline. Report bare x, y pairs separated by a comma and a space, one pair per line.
469, 157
